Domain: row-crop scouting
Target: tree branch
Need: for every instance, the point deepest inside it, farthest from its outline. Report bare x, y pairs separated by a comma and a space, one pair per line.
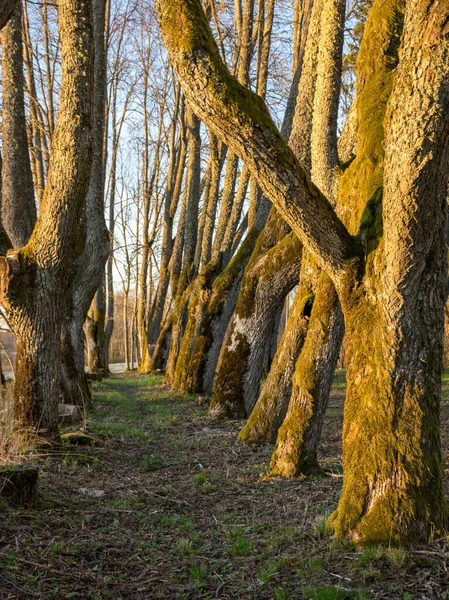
241, 120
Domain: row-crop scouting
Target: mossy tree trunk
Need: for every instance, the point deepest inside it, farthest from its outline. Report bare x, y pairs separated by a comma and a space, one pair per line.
271, 407
269, 277
36, 278
88, 300
298, 438
212, 307
18, 204
214, 303
396, 291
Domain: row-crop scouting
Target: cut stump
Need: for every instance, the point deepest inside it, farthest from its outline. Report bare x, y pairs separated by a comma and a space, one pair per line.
18, 484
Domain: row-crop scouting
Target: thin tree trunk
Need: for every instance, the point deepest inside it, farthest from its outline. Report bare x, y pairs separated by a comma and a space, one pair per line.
18, 204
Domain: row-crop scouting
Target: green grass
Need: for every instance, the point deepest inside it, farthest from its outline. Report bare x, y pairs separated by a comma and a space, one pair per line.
188, 513
331, 592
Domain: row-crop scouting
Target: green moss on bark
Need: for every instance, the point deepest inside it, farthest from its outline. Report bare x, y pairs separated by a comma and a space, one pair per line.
228, 393
295, 451
263, 423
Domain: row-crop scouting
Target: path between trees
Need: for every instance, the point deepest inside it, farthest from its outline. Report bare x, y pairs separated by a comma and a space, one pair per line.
171, 506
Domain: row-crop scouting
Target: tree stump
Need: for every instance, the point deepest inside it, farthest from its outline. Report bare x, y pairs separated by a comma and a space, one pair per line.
18, 484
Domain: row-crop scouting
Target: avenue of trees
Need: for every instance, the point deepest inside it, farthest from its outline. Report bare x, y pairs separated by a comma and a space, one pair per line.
248, 192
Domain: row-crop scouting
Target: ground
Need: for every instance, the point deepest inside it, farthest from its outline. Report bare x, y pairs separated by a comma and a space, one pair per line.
170, 506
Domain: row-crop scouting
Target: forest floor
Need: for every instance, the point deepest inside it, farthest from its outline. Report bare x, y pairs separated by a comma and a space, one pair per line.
171, 506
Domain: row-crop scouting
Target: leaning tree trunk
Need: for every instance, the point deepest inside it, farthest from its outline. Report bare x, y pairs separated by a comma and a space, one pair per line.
269, 277
171, 201
214, 301
7, 8
237, 395
211, 309
298, 438
36, 278
182, 276
271, 407
297, 441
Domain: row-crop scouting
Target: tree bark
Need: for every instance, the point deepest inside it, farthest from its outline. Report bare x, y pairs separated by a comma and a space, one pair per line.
36, 278
271, 407
7, 8
298, 438
18, 205
269, 277
90, 265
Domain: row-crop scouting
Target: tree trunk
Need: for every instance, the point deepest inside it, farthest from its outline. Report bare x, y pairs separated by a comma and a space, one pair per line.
18, 204
297, 441
269, 277
36, 278
88, 291
395, 492
298, 438
7, 7
271, 407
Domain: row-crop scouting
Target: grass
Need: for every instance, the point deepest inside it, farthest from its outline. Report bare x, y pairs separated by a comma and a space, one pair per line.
188, 513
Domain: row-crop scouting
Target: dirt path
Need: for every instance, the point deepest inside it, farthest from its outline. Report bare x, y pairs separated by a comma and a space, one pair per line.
171, 506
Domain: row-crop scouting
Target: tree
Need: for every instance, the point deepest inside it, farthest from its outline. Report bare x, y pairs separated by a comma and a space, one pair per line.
391, 287
36, 277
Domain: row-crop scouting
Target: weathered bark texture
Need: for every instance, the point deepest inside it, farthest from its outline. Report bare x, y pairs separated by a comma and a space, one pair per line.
392, 290
18, 203
303, 112
394, 317
298, 438
271, 407
36, 278
90, 264
269, 277
7, 7
211, 307
297, 441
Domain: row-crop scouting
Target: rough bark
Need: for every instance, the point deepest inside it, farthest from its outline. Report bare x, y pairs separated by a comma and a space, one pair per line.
299, 436
90, 264
7, 8
212, 305
18, 204
271, 407
36, 278
297, 441
395, 492
303, 111
269, 277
